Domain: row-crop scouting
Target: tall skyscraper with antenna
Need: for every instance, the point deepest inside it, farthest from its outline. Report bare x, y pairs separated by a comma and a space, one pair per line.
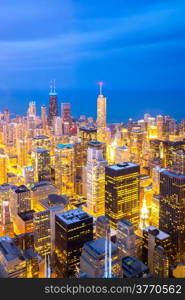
101, 115
53, 103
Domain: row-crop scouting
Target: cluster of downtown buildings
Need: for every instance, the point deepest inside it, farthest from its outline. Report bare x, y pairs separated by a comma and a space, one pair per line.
83, 198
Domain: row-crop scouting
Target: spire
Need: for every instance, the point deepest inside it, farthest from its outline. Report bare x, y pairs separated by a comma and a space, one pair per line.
52, 86
144, 216
100, 83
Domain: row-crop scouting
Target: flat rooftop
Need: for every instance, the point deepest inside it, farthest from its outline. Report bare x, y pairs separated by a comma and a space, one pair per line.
63, 146
161, 235
98, 246
27, 216
9, 249
40, 137
73, 216
122, 166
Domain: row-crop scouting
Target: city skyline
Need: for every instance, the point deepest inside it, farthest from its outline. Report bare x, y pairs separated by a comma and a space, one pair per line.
137, 50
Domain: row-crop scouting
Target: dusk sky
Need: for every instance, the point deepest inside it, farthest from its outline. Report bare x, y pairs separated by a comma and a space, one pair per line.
129, 44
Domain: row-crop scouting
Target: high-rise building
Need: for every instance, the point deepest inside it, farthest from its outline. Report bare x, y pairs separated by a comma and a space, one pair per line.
41, 142
66, 112
102, 225
134, 268
42, 237
178, 161
172, 211
93, 259
3, 168
95, 170
122, 193
41, 165
73, 229
12, 261
20, 199
154, 219
126, 238
6, 220
53, 103
152, 238
101, 116
161, 263
65, 168
44, 117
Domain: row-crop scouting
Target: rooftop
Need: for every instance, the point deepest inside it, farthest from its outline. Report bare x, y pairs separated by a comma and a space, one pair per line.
63, 146
161, 235
98, 246
26, 216
73, 216
40, 137
9, 249
132, 267
121, 166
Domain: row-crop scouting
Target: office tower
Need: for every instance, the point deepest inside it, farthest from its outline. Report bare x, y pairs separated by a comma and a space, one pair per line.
73, 229
178, 161
79, 164
41, 142
55, 204
42, 237
154, 219
121, 154
172, 211
134, 268
126, 238
136, 141
160, 126
65, 168
24, 222
122, 193
57, 124
20, 199
32, 110
161, 263
53, 103
102, 225
28, 174
6, 221
22, 153
152, 238
156, 179
24, 241
101, 116
93, 262
3, 168
87, 134
66, 112
6, 115
32, 263
44, 117
12, 261
41, 190
41, 165
95, 170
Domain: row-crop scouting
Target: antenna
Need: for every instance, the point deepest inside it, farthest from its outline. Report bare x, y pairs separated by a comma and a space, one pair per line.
51, 86
100, 83
54, 86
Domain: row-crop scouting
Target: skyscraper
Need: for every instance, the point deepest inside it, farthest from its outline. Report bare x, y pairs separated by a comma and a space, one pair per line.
152, 238
122, 193
65, 168
53, 104
44, 117
41, 165
101, 115
93, 259
172, 211
73, 229
66, 112
126, 238
95, 170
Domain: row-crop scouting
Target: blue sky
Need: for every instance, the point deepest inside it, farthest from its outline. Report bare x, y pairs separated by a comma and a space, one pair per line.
129, 44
